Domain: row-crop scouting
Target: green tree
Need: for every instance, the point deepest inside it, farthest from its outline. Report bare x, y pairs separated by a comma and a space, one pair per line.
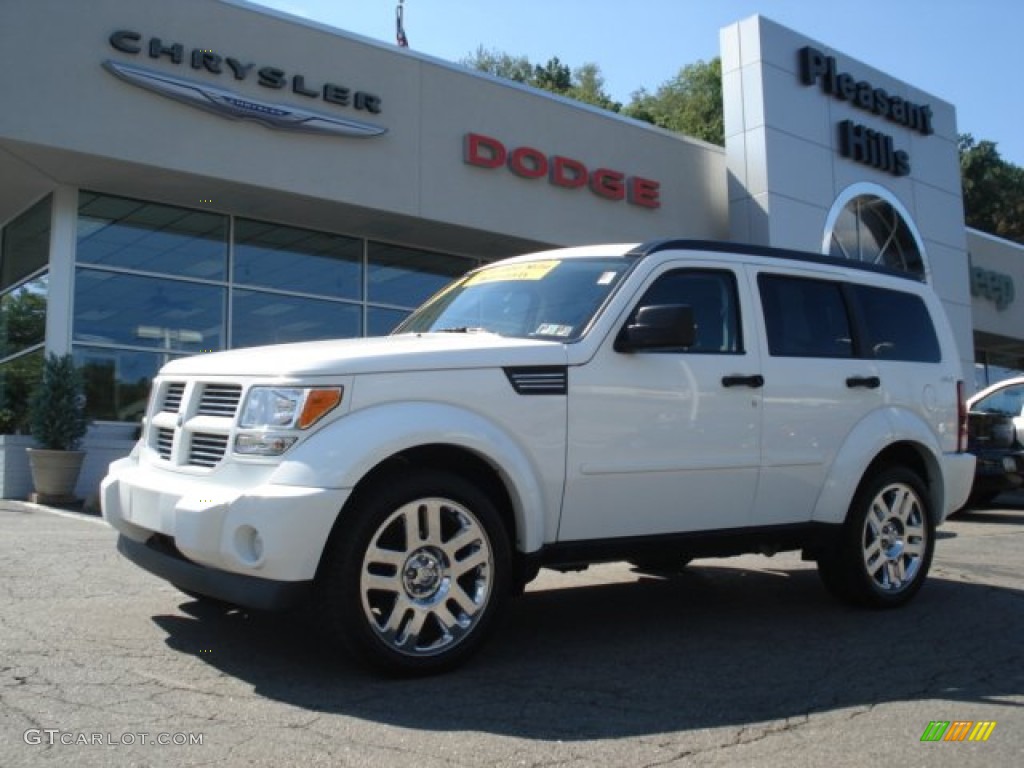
993, 189
690, 103
584, 84
499, 64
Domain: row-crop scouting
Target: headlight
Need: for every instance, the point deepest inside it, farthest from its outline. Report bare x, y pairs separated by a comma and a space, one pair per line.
268, 411
288, 407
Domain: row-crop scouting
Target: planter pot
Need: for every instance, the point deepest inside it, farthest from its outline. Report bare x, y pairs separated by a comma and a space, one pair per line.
55, 474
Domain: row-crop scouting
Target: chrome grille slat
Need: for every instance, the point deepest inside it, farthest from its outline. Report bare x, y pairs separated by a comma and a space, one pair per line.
206, 450
172, 397
219, 400
164, 441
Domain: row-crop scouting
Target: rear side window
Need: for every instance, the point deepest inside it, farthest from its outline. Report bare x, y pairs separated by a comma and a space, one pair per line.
805, 318
896, 325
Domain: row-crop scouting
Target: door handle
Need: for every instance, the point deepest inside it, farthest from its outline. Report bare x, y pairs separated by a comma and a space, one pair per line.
755, 381
867, 382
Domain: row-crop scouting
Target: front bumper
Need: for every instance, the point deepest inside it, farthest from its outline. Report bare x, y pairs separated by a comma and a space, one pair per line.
221, 538
159, 556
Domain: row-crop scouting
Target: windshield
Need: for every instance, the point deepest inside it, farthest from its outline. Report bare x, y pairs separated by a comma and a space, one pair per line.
546, 299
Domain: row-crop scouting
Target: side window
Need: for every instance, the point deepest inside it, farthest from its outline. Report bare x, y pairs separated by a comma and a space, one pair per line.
711, 294
1008, 402
805, 318
897, 326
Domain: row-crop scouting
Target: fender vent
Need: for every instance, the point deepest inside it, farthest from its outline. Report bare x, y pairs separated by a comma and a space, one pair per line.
539, 379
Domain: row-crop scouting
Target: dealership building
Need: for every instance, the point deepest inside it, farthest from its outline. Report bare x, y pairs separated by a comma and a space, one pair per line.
200, 175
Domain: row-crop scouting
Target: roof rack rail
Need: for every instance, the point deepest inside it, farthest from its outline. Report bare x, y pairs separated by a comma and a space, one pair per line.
651, 247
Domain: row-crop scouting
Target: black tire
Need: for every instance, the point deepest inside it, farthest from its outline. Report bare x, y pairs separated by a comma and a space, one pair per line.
417, 573
882, 555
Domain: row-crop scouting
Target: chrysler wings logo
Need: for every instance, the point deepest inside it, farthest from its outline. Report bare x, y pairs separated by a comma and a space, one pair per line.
225, 103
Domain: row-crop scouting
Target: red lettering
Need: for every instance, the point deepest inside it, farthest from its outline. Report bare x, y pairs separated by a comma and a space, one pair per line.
566, 172
484, 151
561, 171
608, 183
643, 192
528, 163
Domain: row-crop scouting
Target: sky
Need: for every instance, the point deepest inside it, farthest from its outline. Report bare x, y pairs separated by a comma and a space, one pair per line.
967, 52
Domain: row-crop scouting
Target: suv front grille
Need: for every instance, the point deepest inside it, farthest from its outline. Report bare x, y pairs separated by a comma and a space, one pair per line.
192, 422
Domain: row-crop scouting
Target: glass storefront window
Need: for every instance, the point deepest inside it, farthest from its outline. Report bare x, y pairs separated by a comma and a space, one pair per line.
26, 244
114, 308
381, 322
18, 380
23, 316
267, 318
407, 277
154, 282
870, 229
117, 382
132, 234
299, 260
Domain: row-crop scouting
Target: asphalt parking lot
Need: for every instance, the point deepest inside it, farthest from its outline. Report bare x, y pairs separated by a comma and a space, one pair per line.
736, 662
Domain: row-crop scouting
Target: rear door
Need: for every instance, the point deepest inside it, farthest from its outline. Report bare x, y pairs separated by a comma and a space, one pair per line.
818, 386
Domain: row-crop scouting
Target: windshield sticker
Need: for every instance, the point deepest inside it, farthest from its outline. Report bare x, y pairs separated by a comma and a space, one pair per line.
606, 278
551, 329
533, 270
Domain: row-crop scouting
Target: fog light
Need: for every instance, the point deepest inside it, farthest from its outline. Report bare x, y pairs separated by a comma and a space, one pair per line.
262, 444
249, 545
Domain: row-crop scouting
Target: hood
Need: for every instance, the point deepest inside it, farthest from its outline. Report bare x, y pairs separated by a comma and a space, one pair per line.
385, 354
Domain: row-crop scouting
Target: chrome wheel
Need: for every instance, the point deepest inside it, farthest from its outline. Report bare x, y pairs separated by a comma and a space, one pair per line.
881, 555
426, 576
894, 538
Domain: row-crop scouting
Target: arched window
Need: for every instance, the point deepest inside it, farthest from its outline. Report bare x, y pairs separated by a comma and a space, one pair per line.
867, 224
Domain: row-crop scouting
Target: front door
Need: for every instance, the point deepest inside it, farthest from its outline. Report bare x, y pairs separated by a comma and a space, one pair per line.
668, 441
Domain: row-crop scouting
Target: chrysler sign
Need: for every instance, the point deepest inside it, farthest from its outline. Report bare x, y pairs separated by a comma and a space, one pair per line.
232, 104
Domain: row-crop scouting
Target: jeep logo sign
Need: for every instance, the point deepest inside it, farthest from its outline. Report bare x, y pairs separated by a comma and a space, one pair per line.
994, 286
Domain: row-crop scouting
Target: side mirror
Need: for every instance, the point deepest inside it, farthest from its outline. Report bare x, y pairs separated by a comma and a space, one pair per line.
659, 326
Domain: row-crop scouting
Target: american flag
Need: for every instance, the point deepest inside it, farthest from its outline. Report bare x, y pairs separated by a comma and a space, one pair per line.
401, 39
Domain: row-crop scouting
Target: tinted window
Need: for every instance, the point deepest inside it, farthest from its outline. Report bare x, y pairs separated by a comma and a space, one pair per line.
897, 326
26, 244
301, 260
270, 318
406, 277
805, 318
1008, 402
712, 297
129, 310
132, 234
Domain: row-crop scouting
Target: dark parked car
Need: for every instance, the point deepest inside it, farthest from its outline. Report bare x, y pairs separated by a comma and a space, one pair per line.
995, 428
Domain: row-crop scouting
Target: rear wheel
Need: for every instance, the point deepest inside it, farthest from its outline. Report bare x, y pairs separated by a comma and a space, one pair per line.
883, 553
418, 573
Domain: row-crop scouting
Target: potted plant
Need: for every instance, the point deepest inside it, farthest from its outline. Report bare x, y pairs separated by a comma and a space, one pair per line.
58, 423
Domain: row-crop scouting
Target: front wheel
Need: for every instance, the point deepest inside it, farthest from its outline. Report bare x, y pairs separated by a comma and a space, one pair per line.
417, 574
883, 553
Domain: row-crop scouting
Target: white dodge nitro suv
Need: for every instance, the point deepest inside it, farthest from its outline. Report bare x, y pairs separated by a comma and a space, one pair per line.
649, 403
